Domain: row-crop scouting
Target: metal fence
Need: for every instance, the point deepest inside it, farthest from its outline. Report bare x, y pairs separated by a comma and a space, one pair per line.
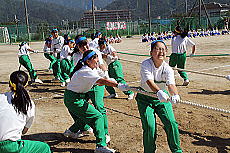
18, 33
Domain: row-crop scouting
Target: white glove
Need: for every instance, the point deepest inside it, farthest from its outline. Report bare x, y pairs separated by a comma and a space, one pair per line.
57, 51
122, 87
192, 54
112, 79
174, 99
35, 51
106, 75
228, 77
162, 96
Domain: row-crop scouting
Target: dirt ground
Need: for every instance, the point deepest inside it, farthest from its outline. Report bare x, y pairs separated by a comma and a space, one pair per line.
201, 130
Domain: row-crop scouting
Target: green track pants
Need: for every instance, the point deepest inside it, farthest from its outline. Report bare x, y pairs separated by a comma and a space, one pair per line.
51, 58
148, 107
179, 60
78, 105
24, 146
115, 71
66, 69
96, 94
25, 61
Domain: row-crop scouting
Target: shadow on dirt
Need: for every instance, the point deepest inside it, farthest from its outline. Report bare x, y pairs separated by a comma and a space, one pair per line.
210, 92
221, 144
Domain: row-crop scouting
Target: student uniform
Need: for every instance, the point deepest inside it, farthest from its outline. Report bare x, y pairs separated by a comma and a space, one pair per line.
48, 55
76, 100
96, 94
66, 62
114, 69
56, 46
178, 56
24, 60
148, 106
11, 126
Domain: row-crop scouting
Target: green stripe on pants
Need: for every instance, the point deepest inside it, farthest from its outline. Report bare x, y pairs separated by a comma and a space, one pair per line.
115, 71
24, 146
79, 106
25, 61
179, 60
148, 107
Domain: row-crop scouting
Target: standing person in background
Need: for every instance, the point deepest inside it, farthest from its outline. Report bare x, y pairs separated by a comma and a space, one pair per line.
94, 42
114, 68
156, 74
76, 97
66, 61
56, 46
17, 113
48, 54
24, 60
179, 48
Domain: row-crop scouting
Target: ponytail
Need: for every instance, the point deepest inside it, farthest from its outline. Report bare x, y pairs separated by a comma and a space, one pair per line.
88, 55
21, 100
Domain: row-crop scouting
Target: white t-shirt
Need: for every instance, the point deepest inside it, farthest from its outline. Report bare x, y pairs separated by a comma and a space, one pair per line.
65, 52
23, 50
109, 51
57, 43
83, 80
11, 122
162, 76
179, 44
94, 43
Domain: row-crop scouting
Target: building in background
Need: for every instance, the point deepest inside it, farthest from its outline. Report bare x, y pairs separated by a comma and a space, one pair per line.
103, 16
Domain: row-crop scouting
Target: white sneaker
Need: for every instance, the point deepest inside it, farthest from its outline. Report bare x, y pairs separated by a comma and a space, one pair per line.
131, 96
79, 134
186, 82
67, 80
112, 96
63, 84
104, 150
108, 139
38, 81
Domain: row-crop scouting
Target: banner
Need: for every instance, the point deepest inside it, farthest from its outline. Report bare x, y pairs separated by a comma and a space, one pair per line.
115, 25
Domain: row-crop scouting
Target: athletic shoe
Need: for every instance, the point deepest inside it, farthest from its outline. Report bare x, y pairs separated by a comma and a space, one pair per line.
108, 139
112, 96
104, 150
131, 96
63, 84
38, 81
186, 82
77, 135
67, 80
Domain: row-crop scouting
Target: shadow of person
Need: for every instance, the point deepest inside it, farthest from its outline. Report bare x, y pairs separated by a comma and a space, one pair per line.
221, 144
210, 92
53, 139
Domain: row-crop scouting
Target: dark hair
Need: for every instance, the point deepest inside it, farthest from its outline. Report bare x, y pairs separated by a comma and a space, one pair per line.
80, 63
182, 33
154, 43
21, 100
101, 41
66, 38
76, 49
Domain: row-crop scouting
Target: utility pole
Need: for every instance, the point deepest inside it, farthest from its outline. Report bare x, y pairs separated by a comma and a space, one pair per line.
27, 20
93, 14
186, 7
200, 13
149, 15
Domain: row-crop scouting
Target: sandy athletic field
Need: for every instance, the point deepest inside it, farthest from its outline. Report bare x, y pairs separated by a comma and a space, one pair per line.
201, 130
